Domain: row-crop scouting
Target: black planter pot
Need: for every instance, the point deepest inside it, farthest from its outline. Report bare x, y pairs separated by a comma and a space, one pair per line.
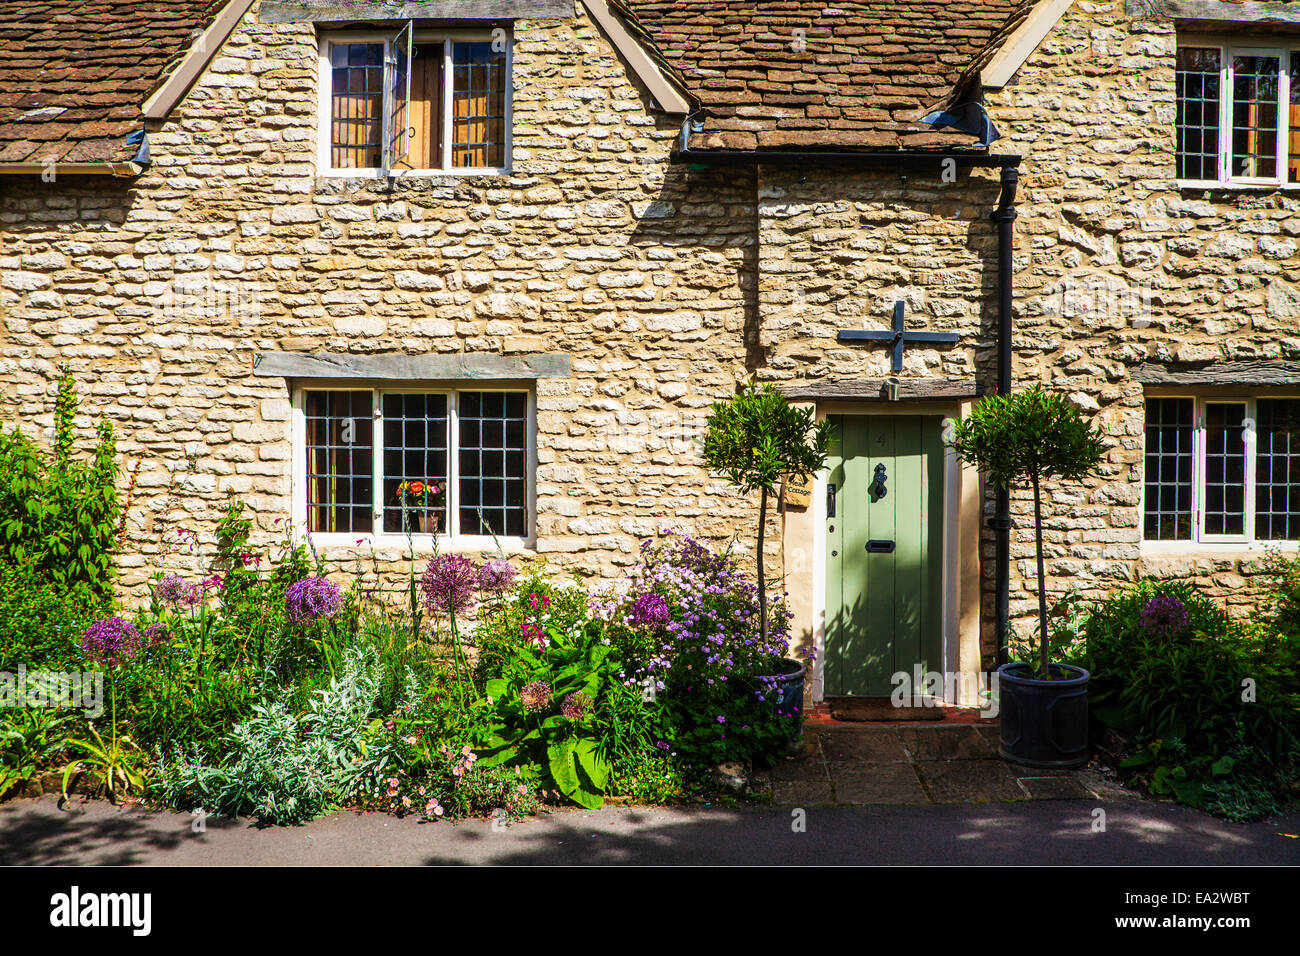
789, 697
1044, 723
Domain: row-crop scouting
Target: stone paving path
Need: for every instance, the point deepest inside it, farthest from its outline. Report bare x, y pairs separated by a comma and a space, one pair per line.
919, 764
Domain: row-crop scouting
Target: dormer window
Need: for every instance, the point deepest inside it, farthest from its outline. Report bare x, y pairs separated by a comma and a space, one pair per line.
1238, 115
415, 102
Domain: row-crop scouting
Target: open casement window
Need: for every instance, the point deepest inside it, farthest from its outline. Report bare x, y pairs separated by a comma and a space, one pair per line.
417, 102
397, 102
473, 444
1238, 114
1222, 470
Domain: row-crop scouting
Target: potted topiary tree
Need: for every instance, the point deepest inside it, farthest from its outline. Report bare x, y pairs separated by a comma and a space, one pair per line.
754, 440
1035, 436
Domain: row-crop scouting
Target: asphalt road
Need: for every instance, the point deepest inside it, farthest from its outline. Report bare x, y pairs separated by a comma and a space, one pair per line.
1047, 832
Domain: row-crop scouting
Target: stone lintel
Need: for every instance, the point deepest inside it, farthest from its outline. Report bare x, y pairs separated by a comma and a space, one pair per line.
876, 389
1221, 11
402, 367
1244, 373
343, 11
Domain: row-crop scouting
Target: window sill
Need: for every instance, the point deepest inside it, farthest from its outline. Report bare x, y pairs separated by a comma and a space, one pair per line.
363, 174
1164, 549
421, 544
1193, 185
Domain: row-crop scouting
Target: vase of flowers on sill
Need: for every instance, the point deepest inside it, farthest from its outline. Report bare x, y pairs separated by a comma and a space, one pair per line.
419, 503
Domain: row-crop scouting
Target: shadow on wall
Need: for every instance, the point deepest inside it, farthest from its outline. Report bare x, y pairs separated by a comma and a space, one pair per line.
706, 220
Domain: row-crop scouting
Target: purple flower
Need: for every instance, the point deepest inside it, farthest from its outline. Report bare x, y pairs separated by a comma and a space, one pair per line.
311, 599
111, 642
1163, 617
650, 610
174, 590
576, 706
449, 583
156, 633
497, 575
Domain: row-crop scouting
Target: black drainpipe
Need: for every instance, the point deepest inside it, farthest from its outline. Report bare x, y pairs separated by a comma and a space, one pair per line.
1005, 217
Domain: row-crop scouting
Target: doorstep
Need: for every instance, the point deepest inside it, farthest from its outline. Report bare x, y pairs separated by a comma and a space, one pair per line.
821, 715
919, 764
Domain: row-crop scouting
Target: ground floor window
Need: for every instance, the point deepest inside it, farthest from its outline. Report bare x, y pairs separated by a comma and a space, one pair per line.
363, 451
1222, 469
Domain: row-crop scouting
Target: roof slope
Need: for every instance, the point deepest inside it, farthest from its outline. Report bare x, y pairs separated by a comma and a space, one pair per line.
860, 76
74, 73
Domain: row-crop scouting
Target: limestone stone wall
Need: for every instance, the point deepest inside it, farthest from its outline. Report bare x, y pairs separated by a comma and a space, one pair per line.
157, 293
1115, 265
665, 284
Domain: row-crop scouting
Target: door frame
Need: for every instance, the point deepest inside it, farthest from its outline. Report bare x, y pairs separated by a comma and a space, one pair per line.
958, 655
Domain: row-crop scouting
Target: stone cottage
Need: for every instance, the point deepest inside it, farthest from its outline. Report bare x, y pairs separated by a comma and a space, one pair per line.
303, 252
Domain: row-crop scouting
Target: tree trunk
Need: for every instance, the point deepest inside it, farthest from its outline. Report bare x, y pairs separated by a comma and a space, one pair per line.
762, 583
1043, 649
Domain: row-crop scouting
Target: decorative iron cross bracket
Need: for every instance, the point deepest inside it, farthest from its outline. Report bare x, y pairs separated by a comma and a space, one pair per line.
898, 336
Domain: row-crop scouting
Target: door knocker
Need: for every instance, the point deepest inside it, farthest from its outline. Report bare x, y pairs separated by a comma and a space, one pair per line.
878, 489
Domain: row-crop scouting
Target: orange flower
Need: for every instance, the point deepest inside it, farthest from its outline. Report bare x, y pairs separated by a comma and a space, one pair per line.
417, 487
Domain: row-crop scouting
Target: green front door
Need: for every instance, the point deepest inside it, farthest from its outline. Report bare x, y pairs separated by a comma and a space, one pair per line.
884, 546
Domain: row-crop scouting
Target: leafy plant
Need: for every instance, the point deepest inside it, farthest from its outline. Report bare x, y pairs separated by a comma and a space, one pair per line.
118, 756
1213, 712
41, 621
755, 439
543, 713
59, 515
1032, 436
281, 768
30, 739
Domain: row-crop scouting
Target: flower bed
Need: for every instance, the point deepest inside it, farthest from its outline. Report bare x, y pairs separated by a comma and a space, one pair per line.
277, 688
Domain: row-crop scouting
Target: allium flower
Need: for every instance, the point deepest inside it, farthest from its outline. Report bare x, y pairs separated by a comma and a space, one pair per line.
576, 705
310, 599
535, 695
497, 575
650, 610
174, 590
1163, 616
156, 633
449, 583
111, 642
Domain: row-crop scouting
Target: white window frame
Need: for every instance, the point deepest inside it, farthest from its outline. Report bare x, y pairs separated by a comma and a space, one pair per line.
1230, 48
451, 538
325, 90
1200, 541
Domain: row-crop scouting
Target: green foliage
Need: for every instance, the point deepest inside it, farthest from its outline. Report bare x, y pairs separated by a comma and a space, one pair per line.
501, 623
756, 438
41, 621
118, 761
1034, 435
30, 739
59, 515
567, 752
1031, 436
279, 767
1212, 709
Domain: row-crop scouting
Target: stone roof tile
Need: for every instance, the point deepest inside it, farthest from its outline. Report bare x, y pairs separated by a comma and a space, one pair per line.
860, 74
75, 73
